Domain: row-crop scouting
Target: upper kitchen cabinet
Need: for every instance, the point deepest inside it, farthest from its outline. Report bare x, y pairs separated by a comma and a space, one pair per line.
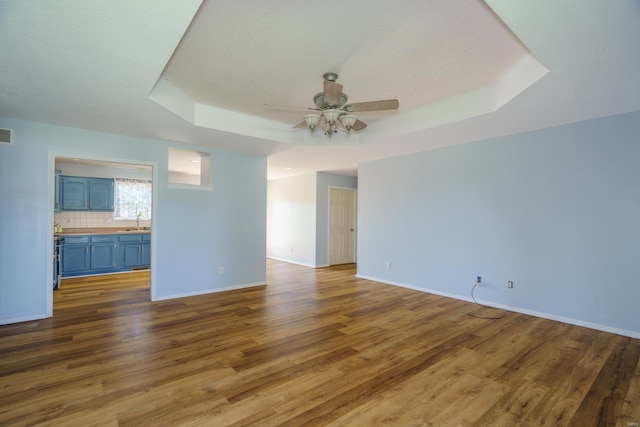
74, 193
100, 194
86, 194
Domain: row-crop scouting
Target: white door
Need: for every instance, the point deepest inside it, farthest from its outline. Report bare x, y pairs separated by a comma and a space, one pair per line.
342, 226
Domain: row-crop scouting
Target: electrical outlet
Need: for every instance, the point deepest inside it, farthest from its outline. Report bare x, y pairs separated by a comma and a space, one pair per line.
387, 264
510, 284
478, 280
221, 270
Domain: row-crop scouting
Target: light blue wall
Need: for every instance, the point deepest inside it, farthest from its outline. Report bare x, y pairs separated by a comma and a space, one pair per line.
194, 232
557, 211
323, 183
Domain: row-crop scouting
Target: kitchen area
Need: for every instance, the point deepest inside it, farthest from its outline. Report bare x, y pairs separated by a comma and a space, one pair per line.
102, 218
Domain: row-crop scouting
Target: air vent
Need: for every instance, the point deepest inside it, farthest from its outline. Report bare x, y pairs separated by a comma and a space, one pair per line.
6, 136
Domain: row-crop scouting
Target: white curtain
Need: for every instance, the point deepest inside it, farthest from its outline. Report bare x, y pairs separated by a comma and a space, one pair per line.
131, 196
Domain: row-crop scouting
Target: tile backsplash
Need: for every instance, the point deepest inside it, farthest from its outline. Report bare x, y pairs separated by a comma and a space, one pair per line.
71, 219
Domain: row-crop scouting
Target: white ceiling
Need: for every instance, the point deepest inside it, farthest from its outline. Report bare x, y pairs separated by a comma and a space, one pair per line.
201, 72
247, 54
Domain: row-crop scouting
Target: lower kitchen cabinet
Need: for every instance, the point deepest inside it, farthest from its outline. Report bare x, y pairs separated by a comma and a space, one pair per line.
145, 250
76, 255
130, 254
135, 250
105, 253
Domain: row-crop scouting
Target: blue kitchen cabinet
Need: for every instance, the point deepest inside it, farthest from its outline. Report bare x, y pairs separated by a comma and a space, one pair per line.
76, 256
135, 250
89, 254
100, 194
74, 193
103, 253
145, 251
130, 254
86, 194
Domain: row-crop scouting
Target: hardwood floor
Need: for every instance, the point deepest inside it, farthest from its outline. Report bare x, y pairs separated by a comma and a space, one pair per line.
314, 347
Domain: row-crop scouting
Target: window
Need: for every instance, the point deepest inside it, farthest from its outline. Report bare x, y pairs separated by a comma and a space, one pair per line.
130, 198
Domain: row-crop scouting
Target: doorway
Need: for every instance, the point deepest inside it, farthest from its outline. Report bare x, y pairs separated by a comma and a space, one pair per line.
342, 225
92, 167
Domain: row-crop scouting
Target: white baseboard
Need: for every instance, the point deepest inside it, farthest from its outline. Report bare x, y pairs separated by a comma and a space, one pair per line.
23, 319
290, 261
209, 291
570, 321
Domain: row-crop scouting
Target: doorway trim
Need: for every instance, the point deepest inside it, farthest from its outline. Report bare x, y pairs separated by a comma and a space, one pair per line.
51, 166
355, 221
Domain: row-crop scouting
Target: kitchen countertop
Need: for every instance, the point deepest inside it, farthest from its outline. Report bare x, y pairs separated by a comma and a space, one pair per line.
110, 230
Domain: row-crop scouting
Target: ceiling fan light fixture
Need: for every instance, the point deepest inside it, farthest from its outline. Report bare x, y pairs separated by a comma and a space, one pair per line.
331, 115
329, 128
335, 114
348, 121
312, 121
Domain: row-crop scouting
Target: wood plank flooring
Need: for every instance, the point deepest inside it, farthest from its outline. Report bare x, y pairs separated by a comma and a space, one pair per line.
313, 348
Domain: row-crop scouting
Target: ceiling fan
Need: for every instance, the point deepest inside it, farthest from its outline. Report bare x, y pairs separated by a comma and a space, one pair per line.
334, 112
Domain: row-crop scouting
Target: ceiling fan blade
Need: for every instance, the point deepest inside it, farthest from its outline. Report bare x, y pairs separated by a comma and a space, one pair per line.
289, 107
359, 125
387, 104
332, 93
300, 125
